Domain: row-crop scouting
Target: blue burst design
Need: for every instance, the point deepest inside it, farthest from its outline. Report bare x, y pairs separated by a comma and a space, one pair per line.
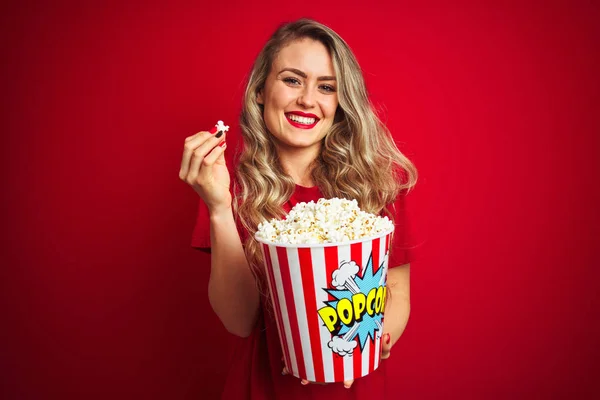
368, 324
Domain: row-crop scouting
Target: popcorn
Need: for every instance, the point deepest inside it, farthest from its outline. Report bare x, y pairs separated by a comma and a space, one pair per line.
326, 221
222, 127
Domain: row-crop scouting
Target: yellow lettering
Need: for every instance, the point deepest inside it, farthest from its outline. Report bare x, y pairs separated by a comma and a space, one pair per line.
379, 300
329, 317
352, 310
359, 301
344, 310
370, 301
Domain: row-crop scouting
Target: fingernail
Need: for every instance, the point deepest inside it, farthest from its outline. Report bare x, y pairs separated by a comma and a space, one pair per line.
347, 386
218, 135
213, 130
304, 382
223, 144
387, 339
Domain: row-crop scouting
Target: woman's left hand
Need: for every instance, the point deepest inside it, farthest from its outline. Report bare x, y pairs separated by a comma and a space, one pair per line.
386, 350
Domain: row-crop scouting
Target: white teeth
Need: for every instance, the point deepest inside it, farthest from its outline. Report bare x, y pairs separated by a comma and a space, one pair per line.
301, 120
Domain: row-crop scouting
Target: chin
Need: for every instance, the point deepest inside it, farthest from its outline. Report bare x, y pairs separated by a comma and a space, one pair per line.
300, 144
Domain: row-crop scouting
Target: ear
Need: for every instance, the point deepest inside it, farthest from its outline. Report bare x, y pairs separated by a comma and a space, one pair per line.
259, 97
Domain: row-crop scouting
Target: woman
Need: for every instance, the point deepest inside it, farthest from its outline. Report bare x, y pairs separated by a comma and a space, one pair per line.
309, 131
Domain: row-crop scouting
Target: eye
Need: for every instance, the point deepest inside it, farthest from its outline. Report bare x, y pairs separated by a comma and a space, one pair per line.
328, 88
291, 81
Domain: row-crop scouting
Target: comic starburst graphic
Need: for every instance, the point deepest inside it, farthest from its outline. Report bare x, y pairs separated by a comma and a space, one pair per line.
369, 324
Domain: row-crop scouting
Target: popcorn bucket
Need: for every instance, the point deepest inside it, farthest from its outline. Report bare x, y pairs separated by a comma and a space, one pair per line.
328, 300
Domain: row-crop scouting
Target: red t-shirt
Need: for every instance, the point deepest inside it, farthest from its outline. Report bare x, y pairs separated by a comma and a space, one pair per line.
255, 372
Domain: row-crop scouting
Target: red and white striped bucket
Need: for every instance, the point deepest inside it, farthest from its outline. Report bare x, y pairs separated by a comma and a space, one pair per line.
330, 320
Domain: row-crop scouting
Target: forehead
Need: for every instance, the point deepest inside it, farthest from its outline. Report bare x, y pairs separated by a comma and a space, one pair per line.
307, 55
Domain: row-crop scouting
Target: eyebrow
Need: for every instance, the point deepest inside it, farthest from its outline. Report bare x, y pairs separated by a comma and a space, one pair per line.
302, 74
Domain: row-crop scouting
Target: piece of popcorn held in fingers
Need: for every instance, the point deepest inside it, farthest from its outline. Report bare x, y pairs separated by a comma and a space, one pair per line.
222, 127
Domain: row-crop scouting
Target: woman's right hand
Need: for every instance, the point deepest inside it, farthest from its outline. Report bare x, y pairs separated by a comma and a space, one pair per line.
203, 168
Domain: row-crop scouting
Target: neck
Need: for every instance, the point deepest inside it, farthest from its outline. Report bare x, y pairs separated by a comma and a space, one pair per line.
297, 164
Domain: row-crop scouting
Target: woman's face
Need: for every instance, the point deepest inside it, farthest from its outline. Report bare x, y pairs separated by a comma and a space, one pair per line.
300, 95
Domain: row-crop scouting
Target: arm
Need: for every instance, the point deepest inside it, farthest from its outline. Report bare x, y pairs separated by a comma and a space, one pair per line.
397, 306
232, 290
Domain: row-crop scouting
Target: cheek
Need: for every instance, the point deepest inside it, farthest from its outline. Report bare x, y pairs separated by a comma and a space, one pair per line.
279, 98
331, 108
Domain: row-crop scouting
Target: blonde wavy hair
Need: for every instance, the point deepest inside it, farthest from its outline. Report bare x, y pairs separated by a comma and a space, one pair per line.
359, 159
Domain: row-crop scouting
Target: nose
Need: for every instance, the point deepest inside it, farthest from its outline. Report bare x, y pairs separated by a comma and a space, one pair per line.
306, 98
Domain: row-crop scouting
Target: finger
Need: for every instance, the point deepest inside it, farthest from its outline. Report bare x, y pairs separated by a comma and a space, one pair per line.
210, 159
212, 131
221, 158
284, 371
304, 382
198, 157
348, 383
191, 144
385, 354
386, 347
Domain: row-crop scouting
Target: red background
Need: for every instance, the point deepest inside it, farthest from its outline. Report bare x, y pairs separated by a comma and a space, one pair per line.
498, 105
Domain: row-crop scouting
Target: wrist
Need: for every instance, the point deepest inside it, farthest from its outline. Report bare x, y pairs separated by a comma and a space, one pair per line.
220, 214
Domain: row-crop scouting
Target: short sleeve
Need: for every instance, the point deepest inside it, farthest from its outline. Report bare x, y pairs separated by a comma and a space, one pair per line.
400, 251
201, 232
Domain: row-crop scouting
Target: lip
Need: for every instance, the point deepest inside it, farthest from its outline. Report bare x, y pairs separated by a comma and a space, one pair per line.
301, 114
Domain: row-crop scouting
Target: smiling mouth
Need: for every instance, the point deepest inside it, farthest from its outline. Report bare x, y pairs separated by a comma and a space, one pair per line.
301, 122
